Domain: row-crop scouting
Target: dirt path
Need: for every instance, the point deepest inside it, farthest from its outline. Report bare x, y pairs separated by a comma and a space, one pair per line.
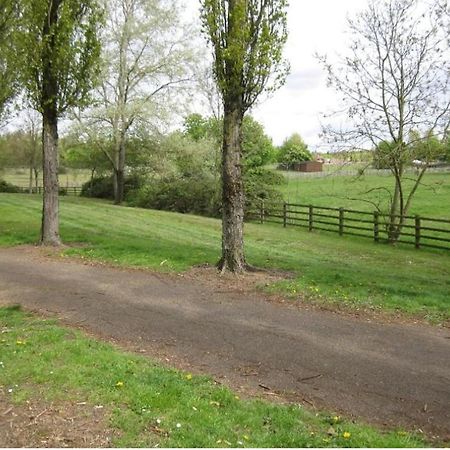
389, 374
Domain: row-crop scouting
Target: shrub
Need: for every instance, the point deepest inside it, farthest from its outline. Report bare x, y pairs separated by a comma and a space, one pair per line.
9, 188
195, 195
260, 186
103, 187
202, 194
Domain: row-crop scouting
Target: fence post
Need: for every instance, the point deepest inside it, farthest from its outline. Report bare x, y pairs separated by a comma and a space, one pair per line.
311, 217
284, 215
261, 212
376, 226
417, 233
341, 221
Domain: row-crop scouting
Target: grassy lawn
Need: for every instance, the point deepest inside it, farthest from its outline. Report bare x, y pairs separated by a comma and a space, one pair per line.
431, 199
148, 405
341, 271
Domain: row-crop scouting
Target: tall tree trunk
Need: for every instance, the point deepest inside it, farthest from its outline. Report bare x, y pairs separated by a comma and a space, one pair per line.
49, 103
36, 179
119, 171
30, 180
50, 209
233, 198
394, 211
91, 183
120, 187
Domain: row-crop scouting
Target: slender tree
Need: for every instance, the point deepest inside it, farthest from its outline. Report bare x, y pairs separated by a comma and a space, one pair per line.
32, 149
8, 16
59, 46
395, 84
247, 37
147, 58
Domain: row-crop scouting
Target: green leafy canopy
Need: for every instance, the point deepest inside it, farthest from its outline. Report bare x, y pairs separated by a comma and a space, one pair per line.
69, 46
247, 38
8, 83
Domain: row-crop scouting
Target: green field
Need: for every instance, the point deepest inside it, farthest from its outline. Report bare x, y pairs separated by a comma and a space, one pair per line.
341, 272
432, 198
147, 405
20, 177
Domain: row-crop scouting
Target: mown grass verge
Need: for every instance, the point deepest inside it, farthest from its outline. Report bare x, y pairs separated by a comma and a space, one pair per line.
152, 405
341, 272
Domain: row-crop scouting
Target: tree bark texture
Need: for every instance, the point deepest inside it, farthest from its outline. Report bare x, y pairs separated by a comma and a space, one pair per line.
30, 180
119, 170
49, 102
119, 186
36, 179
50, 209
233, 198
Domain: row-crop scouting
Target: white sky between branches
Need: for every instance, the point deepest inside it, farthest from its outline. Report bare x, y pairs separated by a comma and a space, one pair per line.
314, 26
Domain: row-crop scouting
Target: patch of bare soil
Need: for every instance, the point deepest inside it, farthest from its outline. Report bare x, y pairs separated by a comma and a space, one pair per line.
37, 424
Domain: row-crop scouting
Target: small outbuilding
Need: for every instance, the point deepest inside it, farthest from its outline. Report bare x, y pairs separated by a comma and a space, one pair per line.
307, 166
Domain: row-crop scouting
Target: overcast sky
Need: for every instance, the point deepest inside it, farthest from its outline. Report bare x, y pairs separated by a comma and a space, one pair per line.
314, 26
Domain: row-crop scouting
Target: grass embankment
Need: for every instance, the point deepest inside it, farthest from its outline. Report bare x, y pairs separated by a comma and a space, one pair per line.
340, 271
149, 405
431, 199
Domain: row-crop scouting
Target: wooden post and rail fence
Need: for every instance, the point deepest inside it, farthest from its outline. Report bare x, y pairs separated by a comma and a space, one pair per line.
416, 230
63, 190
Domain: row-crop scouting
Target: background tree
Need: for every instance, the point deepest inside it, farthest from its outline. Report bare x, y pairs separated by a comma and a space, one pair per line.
293, 150
32, 149
8, 16
82, 154
247, 37
58, 42
257, 152
395, 82
21, 148
147, 58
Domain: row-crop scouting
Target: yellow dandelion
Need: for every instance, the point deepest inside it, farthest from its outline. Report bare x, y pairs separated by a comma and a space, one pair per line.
119, 384
189, 376
346, 435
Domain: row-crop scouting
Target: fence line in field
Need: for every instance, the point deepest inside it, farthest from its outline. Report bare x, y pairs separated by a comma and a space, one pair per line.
348, 171
416, 230
63, 190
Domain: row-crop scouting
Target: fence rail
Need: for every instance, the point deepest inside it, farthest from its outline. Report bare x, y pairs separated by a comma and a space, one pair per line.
63, 190
415, 230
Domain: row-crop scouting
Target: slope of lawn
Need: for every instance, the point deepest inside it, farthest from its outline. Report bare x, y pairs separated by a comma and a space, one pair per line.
343, 271
431, 199
148, 405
